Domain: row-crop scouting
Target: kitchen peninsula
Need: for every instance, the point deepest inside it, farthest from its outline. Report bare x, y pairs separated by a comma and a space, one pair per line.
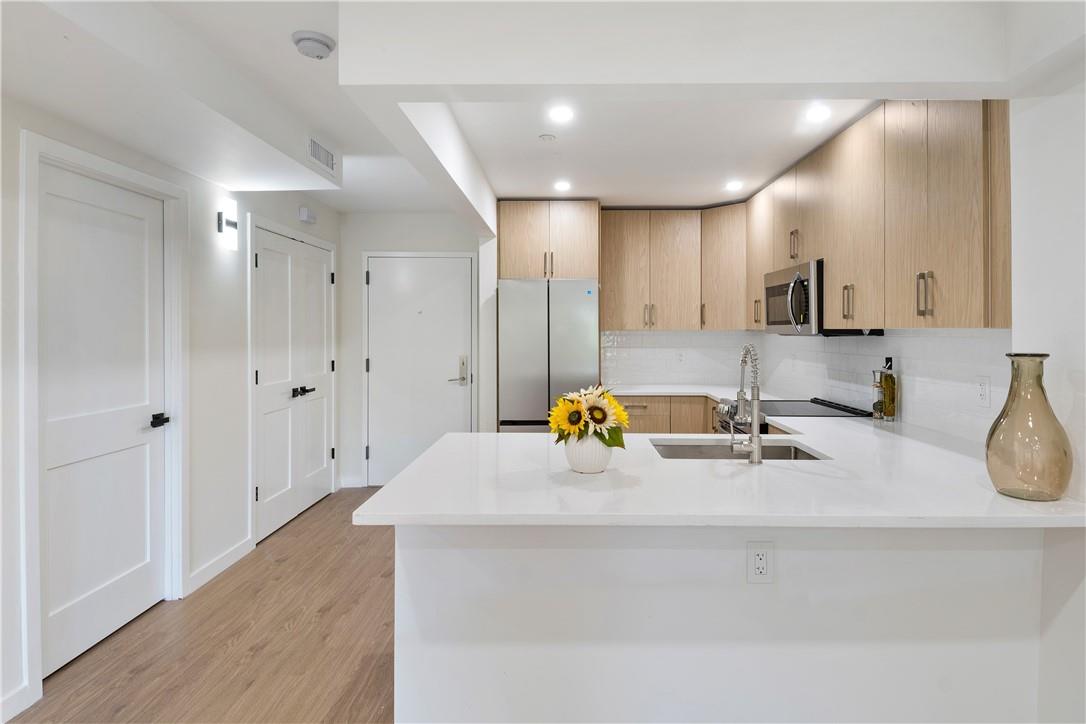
901, 585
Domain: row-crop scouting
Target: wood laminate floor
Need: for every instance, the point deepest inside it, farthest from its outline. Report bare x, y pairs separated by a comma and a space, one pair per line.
300, 630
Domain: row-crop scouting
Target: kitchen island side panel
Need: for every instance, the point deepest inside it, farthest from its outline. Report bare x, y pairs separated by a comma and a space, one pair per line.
660, 624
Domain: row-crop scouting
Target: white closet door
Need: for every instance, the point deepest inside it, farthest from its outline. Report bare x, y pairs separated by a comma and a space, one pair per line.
293, 351
101, 379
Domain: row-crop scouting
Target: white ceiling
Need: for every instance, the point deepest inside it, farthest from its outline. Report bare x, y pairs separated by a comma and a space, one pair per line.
257, 35
646, 153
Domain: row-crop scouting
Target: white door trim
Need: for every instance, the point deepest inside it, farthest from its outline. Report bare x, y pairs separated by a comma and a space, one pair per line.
253, 222
35, 150
474, 258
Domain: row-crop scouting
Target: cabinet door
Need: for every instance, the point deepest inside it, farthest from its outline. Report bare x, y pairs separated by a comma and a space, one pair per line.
956, 214
784, 220
574, 239
674, 270
624, 277
523, 239
688, 415
854, 271
906, 211
759, 254
648, 414
724, 267
812, 205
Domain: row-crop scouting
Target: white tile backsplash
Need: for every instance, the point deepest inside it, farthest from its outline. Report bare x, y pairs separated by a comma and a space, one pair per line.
937, 369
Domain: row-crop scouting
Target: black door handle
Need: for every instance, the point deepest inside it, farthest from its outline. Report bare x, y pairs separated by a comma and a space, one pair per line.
296, 391
159, 419
307, 390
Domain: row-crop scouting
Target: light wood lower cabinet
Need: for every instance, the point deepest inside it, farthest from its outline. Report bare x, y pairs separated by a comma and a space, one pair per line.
724, 267
659, 415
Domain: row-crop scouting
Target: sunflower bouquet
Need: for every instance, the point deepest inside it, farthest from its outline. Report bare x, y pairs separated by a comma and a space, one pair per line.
592, 411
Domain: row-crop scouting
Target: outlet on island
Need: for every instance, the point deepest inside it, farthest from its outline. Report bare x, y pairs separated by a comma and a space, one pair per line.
760, 562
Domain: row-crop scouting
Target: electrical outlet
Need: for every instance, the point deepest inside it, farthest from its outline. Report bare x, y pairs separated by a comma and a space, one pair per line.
984, 391
760, 562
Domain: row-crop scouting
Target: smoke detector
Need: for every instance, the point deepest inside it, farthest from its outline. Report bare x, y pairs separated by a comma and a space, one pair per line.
312, 44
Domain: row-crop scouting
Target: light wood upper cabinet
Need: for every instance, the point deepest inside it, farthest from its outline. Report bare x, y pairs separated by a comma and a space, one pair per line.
854, 244
674, 270
759, 254
523, 239
724, 267
574, 239
651, 270
624, 278
785, 220
812, 205
939, 261
548, 239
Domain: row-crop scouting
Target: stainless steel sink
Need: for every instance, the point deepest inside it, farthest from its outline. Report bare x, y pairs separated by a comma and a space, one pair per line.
713, 450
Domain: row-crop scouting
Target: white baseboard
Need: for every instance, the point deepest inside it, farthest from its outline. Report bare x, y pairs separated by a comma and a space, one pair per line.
17, 701
216, 565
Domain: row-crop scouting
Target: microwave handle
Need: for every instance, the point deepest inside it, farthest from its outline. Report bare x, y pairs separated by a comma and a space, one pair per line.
788, 301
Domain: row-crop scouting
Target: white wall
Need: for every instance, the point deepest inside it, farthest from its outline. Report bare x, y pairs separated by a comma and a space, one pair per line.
362, 232
218, 383
1048, 251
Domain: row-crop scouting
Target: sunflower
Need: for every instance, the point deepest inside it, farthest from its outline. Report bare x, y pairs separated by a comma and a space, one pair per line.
600, 410
621, 416
568, 418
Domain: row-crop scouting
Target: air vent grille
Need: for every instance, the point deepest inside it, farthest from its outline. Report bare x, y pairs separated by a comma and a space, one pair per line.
321, 156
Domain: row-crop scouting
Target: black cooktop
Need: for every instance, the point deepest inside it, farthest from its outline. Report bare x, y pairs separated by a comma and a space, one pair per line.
814, 407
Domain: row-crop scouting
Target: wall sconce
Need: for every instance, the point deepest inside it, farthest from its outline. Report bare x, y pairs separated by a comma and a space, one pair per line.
227, 224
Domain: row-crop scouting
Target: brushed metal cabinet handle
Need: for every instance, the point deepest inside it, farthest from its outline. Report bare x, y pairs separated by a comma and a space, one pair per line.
921, 294
652, 315
852, 301
544, 264
552, 265
844, 302
703, 314
637, 406
929, 306
645, 316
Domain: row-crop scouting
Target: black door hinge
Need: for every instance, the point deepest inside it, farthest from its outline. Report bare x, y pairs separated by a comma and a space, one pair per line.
367, 452
256, 377
367, 276
257, 491
333, 365
256, 260
333, 453
367, 364
333, 277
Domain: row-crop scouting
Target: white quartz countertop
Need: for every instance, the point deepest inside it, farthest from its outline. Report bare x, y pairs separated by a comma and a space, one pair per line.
877, 475
716, 392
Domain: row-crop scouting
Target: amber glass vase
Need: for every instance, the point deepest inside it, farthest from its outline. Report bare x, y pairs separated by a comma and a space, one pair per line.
1028, 452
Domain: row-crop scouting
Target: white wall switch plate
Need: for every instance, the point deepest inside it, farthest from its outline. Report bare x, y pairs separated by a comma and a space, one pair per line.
984, 391
760, 563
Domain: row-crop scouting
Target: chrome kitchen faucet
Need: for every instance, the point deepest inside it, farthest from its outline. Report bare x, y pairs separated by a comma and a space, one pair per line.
746, 411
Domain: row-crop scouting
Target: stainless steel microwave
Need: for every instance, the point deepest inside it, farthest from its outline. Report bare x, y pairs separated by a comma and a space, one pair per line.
793, 299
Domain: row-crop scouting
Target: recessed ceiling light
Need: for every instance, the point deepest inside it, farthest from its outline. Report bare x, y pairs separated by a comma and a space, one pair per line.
733, 185
561, 114
561, 185
818, 113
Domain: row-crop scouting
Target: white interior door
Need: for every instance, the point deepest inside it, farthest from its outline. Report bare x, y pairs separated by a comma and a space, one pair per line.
419, 339
293, 353
100, 357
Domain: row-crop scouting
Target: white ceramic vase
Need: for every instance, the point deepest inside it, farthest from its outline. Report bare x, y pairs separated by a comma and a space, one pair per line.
587, 455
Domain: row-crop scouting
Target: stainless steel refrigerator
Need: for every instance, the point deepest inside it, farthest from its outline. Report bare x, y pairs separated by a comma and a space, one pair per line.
548, 344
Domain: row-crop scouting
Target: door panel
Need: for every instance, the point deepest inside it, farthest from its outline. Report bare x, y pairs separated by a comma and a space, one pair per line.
675, 270
575, 239
906, 210
292, 350
624, 279
419, 318
523, 239
724, 267
759, 254
785, 220
101, 379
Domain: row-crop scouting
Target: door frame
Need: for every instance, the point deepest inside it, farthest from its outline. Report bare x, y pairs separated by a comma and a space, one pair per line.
35, 150
473, 258
252, 223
